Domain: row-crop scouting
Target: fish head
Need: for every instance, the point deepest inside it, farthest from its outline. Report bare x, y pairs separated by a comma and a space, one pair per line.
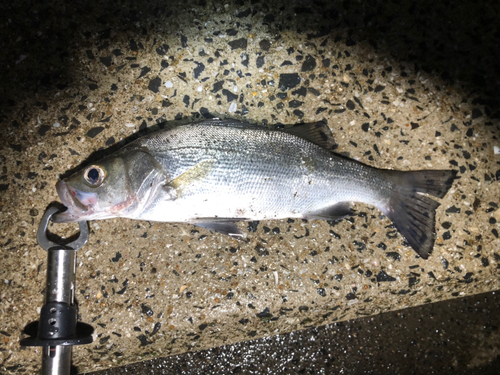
112, 187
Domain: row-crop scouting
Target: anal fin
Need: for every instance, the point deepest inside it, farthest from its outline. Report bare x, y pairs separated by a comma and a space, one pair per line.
336, 212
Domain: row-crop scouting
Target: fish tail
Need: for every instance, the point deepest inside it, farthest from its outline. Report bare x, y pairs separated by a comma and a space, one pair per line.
413, 213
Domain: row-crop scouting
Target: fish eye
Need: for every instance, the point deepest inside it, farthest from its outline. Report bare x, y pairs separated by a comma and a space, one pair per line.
94, 175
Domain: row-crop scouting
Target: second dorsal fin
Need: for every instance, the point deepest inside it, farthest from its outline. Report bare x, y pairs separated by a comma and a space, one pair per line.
316, 132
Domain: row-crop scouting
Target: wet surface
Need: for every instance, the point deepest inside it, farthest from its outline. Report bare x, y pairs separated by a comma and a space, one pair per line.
461, 336
402, 86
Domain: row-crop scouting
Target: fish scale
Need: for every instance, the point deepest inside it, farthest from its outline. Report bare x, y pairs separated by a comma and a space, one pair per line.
261, 170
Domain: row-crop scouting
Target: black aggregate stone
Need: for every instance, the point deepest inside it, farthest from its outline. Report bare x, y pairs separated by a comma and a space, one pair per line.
350, 296
298, 113
162, 50
217, 86
260, 61
264, 313
200, 67
229, 95
106, 61
308, 64
42, 131
92, 133
445, 263
154, 84
252, 226
265, 45
288, 81
184, 40
133, 45
244, 59
302, 91
238, 44
453, 210
383, 276
144, 70
147, 310
144, 340
393, 255
446, 225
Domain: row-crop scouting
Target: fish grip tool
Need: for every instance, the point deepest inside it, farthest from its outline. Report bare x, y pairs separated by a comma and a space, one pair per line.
58, 329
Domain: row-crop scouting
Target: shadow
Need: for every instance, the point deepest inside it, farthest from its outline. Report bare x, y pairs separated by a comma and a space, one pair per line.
456, 41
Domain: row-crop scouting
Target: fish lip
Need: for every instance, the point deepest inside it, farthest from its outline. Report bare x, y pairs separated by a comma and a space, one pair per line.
76, 210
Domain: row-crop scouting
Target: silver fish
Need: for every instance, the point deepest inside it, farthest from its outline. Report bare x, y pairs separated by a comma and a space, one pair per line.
218, 172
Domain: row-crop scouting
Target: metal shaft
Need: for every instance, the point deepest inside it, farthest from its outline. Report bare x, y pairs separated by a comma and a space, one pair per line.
56, 360
60, 276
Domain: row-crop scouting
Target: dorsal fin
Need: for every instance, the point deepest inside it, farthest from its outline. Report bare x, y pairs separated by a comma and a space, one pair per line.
318, 133
227, 122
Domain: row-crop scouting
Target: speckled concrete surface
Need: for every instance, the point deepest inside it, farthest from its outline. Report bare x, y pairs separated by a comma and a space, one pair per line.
398, 89
453, 337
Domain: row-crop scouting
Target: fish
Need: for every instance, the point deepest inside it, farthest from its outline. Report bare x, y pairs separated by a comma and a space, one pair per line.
217, 172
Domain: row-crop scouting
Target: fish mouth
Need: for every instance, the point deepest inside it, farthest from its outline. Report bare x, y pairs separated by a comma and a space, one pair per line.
76, 210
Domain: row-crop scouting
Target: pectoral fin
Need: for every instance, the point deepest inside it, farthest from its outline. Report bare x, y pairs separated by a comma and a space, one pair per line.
193, 174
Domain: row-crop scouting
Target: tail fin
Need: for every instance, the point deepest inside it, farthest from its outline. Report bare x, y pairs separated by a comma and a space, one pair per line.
412, 213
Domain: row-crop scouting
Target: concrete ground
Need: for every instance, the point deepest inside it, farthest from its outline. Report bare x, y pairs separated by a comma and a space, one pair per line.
402, 85
458, 336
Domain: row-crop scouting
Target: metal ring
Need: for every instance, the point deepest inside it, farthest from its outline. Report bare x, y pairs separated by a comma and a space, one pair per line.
46, 244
